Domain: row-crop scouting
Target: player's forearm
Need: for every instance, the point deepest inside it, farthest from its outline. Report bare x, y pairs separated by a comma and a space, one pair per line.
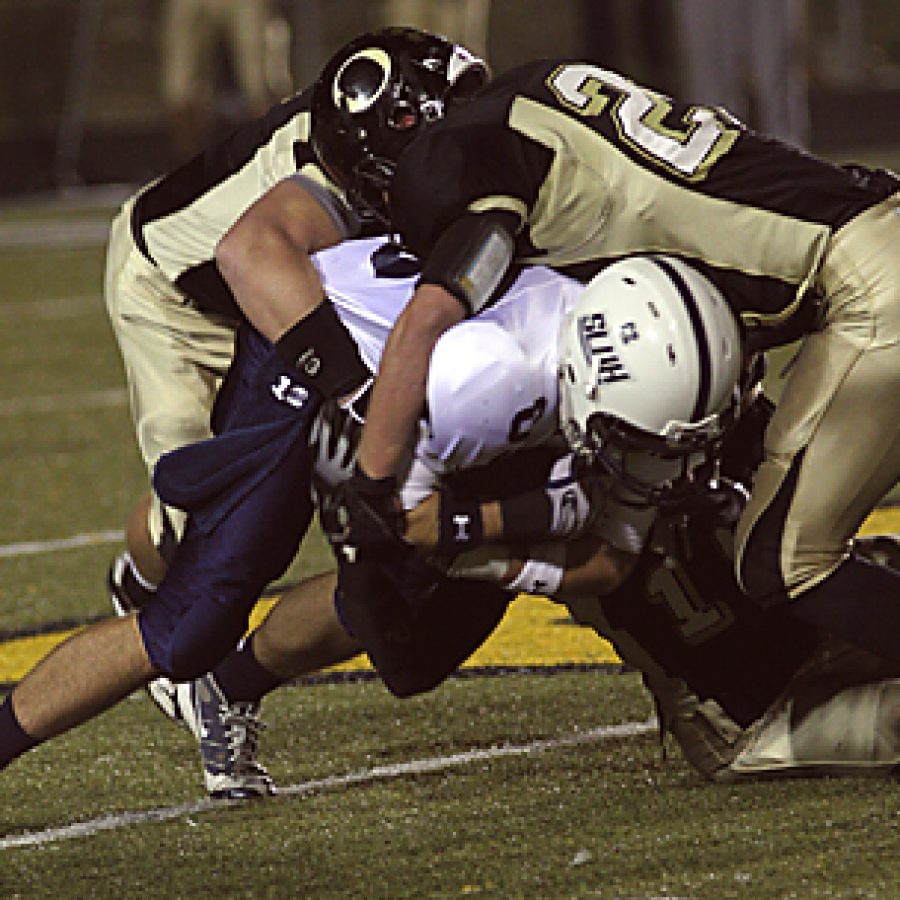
398, 396
265, 258
562, 508
423, 523
563, 570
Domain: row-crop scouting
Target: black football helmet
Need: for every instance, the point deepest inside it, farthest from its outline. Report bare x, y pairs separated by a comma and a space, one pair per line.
375, 95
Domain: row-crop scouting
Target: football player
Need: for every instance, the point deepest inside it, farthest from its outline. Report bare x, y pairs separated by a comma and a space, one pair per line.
567, 164
410, 666
688, 647
174, 317
250, 506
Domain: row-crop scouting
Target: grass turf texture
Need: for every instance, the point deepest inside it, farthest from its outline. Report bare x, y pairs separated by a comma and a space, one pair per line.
610, 819
606, 819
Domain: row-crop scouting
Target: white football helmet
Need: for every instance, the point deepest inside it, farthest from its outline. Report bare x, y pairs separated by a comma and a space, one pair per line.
650, 360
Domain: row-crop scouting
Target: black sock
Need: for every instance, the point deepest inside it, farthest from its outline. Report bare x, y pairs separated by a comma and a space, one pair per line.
859, 602
13, 740
241, 677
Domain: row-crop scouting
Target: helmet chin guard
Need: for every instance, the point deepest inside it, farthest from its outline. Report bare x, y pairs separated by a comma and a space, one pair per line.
375, 95
650, 364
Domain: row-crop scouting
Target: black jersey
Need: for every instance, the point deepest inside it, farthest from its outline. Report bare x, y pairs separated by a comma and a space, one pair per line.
178, 219
597, 168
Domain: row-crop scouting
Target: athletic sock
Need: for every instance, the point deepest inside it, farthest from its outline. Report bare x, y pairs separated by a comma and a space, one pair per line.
13, 740
242, 678
859, 602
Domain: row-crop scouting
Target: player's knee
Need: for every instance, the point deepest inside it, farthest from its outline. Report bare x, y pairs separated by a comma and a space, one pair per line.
759, 559
186, 647
770, 572
408, 677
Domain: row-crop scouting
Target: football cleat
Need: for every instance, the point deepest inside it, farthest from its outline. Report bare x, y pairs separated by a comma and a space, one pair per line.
162, 691
228, 734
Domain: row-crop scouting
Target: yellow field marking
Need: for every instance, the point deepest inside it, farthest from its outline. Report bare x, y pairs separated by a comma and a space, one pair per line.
882, 521
535, 631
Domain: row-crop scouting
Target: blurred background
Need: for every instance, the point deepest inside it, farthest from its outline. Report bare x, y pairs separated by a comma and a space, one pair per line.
118, 91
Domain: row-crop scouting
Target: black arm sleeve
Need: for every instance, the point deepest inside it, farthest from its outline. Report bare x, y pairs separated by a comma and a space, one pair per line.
471, 257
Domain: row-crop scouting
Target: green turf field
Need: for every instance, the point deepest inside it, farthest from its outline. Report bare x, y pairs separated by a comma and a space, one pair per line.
546, 783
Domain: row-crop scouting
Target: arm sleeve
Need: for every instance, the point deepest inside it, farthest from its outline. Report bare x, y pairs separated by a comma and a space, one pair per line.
460, 199
344, 218
472, 256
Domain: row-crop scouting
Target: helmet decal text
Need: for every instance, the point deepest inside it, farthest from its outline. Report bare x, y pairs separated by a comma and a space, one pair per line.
593, 336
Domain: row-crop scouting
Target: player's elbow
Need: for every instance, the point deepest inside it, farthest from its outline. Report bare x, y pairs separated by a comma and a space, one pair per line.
242, 249
430, 313
284, 223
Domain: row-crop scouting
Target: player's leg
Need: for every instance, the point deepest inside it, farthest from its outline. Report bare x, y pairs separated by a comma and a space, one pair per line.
83, 676
245, 29
302, 633
839, 715
187, 75
833, 451
174, 356
233, 547
174, 359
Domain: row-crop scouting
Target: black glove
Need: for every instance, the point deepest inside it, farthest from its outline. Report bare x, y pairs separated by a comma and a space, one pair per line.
373, 612
369, 516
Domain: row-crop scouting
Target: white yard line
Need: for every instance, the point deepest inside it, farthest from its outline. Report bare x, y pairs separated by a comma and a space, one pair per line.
51, 308
366, 776
102, 399
29, 548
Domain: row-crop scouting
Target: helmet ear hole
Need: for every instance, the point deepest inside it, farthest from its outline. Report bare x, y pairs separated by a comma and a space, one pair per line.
466, 86
402, 117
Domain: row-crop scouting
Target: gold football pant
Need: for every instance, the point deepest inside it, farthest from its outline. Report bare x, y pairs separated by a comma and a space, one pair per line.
174, 356
833, 446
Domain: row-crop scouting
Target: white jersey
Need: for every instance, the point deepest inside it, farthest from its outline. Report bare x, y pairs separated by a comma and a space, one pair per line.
492, 381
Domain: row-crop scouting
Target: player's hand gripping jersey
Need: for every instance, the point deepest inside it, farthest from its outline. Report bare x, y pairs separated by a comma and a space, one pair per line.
569, 165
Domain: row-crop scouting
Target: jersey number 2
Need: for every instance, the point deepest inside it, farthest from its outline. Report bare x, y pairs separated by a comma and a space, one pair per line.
688, 148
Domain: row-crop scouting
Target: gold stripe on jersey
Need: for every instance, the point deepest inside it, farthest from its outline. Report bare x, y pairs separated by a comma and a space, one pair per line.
187, 237
598, 202
502, 203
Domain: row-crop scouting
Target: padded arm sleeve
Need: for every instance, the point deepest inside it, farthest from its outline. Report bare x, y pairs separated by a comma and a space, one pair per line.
472, 256
344, 218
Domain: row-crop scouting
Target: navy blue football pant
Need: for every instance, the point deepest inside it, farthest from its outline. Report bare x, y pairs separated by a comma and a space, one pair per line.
247, 491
